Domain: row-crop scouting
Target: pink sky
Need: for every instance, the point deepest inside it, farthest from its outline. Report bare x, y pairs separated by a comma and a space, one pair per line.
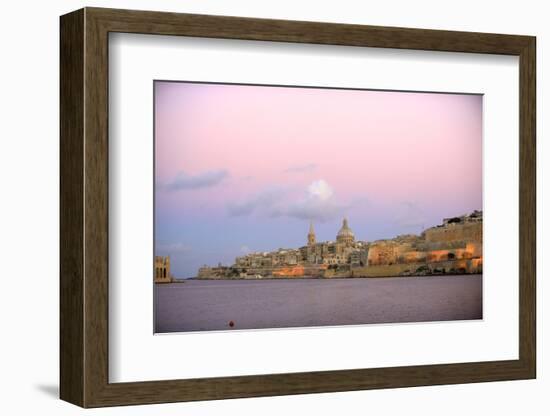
246, 156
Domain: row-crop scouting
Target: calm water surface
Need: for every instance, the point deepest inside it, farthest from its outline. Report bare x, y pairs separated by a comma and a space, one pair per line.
202, 305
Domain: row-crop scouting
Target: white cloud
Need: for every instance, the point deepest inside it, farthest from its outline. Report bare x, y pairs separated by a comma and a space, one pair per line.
319, 204
202, 180
320, 190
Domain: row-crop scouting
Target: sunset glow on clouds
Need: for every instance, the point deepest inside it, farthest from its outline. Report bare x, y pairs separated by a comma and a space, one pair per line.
248, 166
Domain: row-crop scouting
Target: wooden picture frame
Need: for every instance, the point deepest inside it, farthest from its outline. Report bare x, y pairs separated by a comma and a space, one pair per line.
84, 207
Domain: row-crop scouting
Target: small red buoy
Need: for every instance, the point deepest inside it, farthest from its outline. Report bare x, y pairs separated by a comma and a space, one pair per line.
231, 324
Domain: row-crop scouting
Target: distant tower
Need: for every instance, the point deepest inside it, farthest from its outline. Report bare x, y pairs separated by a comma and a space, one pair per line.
311, 235
345, 235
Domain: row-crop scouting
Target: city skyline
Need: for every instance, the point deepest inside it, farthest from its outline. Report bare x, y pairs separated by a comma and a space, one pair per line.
244, 168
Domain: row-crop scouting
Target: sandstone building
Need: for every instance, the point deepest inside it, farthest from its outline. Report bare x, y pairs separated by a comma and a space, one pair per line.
454, 247
162, 269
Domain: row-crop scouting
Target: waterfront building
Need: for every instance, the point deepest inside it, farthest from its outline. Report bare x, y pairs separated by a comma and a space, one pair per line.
315, 256
455, 246
162, 269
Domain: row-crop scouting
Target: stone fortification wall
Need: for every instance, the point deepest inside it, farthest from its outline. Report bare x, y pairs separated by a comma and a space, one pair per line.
447, 247
471, 266
455, 232
295, 271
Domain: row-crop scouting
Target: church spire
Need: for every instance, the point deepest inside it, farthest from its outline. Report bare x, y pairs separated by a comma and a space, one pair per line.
311, 235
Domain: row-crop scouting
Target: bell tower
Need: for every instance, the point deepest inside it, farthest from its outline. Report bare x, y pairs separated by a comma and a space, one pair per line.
311, 235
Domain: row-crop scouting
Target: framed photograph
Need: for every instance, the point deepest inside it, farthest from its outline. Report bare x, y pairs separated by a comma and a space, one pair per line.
255, 207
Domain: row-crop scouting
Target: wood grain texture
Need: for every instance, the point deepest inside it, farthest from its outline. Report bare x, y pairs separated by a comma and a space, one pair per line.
527, 207
71, 208
84, 207
96, 220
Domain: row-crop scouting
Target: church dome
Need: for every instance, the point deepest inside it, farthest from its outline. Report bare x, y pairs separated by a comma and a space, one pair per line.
345, 234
